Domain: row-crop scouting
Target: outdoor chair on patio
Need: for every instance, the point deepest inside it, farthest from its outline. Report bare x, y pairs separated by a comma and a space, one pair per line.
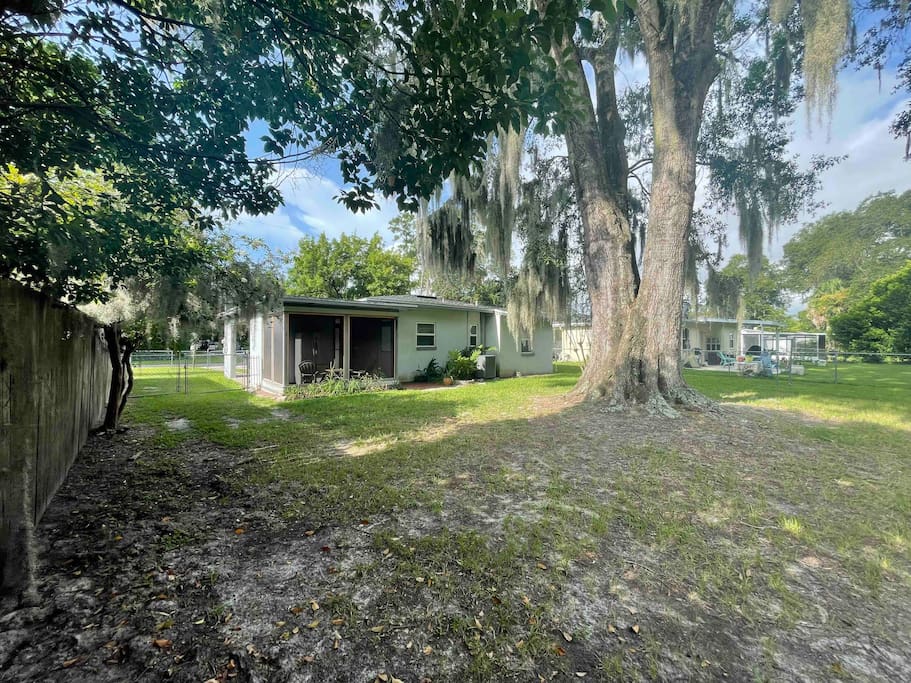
726, 360
308, 371
767, 367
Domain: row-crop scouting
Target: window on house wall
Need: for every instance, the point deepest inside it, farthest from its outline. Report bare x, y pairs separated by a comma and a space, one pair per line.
473, 335
686, 338
427, 335
713, 344
731, 341
525, 345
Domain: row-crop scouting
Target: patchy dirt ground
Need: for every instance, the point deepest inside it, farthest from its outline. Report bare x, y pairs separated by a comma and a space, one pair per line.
168, 565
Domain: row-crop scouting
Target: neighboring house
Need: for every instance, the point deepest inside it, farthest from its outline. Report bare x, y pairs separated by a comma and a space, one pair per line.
572, 342
701, 339
389, 336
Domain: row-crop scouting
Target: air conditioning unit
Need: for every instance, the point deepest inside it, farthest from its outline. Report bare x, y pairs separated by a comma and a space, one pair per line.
487, 366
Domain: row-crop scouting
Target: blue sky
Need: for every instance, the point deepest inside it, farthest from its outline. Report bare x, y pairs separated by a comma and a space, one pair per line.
859, 130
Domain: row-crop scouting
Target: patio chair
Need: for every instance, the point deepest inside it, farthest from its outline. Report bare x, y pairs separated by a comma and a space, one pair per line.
308, 371
767, 367
726, 360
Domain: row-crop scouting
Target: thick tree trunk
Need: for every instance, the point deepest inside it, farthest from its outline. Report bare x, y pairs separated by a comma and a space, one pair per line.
682, 67
597, 160
636, 326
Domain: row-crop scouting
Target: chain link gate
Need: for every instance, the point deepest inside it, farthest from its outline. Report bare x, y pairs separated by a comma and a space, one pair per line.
163, 372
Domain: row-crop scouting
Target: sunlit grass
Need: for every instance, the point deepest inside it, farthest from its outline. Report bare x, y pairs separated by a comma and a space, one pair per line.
724, 529
869, 396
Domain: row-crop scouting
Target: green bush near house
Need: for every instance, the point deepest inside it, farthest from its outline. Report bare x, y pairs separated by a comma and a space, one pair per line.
337, 387
463, 363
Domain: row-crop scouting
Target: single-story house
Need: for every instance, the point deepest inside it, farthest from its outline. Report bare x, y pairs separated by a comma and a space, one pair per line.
389, 336
701, 339
572, 342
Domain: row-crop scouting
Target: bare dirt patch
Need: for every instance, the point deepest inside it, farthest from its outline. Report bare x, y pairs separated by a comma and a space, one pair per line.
167, 564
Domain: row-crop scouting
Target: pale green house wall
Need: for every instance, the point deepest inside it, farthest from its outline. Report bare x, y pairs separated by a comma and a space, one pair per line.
272, 352
510, 359
451, 334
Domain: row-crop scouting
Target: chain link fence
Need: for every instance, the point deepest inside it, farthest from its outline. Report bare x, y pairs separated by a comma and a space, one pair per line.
159, 372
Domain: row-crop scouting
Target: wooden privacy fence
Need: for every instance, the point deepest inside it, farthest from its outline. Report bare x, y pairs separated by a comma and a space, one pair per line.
54, 379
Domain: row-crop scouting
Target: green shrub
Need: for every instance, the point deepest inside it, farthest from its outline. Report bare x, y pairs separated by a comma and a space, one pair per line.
336, 386
460, 367
432, 373
463, 364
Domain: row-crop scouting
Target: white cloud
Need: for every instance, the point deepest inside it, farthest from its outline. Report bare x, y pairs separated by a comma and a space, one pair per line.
859, 131
310, 209
276, 230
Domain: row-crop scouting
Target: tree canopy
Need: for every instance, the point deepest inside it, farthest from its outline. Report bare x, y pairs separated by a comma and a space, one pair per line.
349, 267
158, 99
733, 291
852, 247
881, 321
836, 259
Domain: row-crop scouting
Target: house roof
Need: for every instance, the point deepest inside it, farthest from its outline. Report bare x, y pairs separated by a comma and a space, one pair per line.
323, 302
383, 303
418, 301
734, 321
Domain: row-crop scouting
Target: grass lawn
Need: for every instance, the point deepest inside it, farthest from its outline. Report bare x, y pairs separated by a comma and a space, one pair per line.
497, 531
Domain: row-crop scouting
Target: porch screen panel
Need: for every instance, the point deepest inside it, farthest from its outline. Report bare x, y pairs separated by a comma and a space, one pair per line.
268, 324
278, 350
373, 346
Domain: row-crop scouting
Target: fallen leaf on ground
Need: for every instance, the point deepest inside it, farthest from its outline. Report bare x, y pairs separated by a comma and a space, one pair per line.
309, 532
541, 565
240, 530
611, 629
313, 624
297, 609
308, 659
162, 643
377, 629
568, 637
427, 650
560, 651
634, 628
72, 662
314, 605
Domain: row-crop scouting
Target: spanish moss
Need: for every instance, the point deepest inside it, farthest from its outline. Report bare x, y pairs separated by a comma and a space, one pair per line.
826, 24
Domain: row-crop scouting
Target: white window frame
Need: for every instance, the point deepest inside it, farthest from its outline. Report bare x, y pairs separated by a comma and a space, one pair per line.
686, 338
473, 334
418, 334
526, 341
713, 344
730, 341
